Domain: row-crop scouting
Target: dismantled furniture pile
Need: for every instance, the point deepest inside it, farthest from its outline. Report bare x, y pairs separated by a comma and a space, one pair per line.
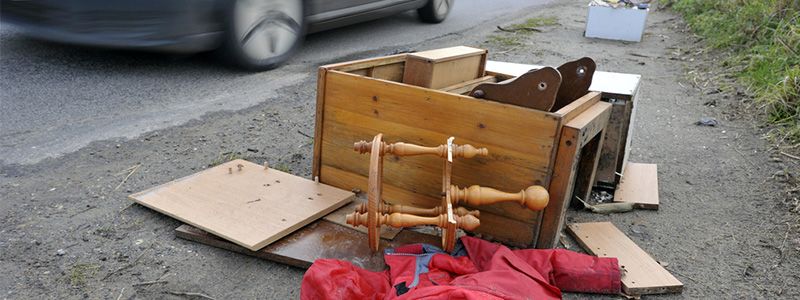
443, 159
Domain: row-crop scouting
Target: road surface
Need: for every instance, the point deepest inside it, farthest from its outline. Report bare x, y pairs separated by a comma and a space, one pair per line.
56, 98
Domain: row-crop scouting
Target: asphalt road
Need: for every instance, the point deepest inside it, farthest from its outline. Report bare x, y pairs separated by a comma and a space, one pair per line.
55, 99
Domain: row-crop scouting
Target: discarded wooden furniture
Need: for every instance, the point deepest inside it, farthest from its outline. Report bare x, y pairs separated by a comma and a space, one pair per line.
619, 89
377, 213
366, 97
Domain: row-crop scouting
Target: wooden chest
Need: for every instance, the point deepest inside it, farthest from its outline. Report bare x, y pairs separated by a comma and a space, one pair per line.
358, 99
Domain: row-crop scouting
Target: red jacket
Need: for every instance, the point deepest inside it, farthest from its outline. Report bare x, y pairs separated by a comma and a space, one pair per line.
488, 271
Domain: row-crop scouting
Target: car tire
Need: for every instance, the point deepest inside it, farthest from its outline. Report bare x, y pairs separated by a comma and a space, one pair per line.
435, 11
262, 34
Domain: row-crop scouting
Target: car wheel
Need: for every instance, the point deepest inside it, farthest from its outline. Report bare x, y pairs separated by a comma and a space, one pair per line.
262, 34
435, 11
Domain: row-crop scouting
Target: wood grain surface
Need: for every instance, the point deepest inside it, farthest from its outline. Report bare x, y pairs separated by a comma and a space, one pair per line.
643, 274
243, 202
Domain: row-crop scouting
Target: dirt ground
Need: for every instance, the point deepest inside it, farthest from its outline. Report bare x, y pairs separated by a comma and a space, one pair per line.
724, 228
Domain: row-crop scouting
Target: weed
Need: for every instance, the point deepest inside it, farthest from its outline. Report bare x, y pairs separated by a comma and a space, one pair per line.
79, 273
764, 39
508, 40
535, 22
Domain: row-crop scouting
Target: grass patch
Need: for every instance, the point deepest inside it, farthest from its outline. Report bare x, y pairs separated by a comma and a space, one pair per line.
535, 22
763, 39
79, 273
514, 34
511, 40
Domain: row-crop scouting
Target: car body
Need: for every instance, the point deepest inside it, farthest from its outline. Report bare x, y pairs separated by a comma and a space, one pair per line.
188, 26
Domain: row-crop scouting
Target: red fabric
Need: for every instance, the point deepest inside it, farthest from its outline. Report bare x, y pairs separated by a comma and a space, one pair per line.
489, 271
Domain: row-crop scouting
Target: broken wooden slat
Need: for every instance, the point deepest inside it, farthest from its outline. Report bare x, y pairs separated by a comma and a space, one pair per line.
643, 275
244, 203
321, 239
639, 186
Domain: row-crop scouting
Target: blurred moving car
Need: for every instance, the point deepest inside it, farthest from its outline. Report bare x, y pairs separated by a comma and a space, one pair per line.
255, 34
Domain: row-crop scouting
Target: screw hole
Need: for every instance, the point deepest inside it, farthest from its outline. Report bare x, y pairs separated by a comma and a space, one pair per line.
542, 86
581, 71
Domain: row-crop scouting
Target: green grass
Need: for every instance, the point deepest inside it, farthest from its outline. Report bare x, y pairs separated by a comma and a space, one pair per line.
535, 23
80, 273
513, 35
763, 39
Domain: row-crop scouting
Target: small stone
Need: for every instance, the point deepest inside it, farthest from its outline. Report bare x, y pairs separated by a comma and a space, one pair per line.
61, 252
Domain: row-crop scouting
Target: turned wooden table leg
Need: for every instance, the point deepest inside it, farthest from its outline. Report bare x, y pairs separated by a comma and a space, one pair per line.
412, 210
534, 197
406, 149
398, 220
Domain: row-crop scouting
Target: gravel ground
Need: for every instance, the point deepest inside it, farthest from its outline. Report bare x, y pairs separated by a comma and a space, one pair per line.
724, 227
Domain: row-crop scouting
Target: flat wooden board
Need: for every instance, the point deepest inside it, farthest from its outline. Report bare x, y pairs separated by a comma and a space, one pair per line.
643, 275
639, 185
339, 215
252, 207
447, 53
320, 239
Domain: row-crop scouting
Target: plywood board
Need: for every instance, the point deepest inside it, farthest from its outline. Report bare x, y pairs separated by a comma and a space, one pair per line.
339, 217
320, 239
639, 185
643, 274
244, 203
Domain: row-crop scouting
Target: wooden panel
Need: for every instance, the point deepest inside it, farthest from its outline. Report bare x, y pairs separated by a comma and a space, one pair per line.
446, 54
611, 158
467, 86
339, 217
321, 239
578, 106
574, 137
498, 226
252, 207
405, 113
643, 275
587, 167
639, 186
391, 72
366, 63
440, 68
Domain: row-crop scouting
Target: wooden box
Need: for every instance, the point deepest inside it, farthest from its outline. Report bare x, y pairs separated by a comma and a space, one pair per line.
356, 100
444, 67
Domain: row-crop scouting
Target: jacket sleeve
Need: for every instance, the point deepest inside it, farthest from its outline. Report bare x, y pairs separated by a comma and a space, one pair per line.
575, 272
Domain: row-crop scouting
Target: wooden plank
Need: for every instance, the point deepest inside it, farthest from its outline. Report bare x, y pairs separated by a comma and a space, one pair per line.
499, 226
391, 72
574, 137
577, 107
318, 122
643, 274
366, 63
321, 239
639, 186
467, 86
339, 217
243, 202
446, 54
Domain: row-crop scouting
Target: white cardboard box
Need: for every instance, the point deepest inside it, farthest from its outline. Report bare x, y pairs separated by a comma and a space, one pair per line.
624, 24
